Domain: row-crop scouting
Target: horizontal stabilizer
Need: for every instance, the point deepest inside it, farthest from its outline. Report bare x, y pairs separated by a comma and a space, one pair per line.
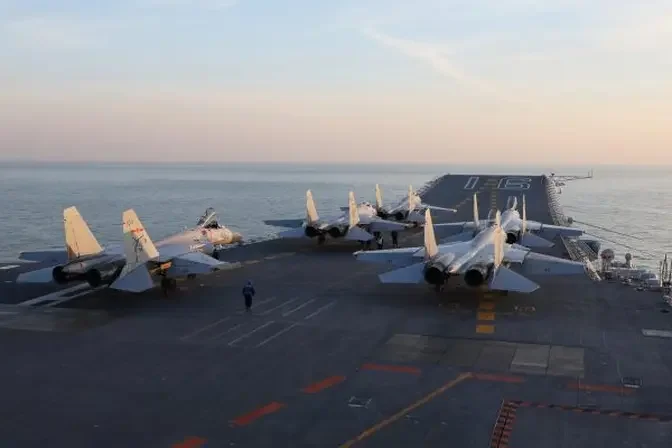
44, 275
293, 233
505, 279
358, 234
395, 257
137, 280
549, 231
48, 255
387, 226
289, 223
197, 263
532, 240
541, 264
412, 274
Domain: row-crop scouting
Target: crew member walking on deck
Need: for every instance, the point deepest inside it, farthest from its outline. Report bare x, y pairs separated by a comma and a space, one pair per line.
395, 239
248, 293
379, 239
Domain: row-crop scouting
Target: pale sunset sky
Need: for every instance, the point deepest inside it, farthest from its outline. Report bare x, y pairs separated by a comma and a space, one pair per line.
470, 81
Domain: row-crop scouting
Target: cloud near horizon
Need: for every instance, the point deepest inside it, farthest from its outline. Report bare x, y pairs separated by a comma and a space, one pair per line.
428, 81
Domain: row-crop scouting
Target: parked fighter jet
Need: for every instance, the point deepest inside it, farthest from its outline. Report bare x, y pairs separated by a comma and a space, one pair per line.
518, 229
85, 260
173, 258
355, 226
409, 210
482, 259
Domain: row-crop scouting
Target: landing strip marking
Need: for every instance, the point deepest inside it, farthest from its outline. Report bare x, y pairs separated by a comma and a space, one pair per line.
261, 327
56, 294
287, 302
372, 430
190, 442
281, 332
391, 368
319, 310
258, 413
486, 315
324, 384
202, 329
298, 307
485, 329
499, 378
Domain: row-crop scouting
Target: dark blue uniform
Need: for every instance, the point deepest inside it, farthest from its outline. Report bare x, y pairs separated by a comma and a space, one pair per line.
248, 293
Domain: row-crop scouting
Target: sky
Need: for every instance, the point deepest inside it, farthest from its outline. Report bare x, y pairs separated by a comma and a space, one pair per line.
469, 81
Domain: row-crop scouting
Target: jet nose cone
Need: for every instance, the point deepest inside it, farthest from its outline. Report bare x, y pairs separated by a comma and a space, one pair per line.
237, 238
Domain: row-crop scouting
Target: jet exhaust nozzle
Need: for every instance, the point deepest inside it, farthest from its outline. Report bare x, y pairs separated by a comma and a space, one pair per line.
311, 232
511, 238
335, 232
476, 275
434, 275
59, 276
399, 216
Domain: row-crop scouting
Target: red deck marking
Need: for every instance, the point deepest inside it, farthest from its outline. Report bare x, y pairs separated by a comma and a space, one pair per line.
499, 378
190, 442
390, 368
257, 413
324, 384
600, 388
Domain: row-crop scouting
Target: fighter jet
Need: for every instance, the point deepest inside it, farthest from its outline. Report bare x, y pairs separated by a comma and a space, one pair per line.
86, 260
483, 260
518, 229
173, 258
410, 210
355, 226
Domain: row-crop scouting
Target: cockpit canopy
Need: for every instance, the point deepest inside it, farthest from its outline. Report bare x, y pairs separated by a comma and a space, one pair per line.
512, 202
209, 219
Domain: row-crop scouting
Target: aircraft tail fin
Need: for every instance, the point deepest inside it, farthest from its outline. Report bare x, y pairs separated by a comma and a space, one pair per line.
411, 197
476, 218
523, 227
431, 249
138, 247
379, 198
79, 241
353, 214
311, 211
500, 239
504, 279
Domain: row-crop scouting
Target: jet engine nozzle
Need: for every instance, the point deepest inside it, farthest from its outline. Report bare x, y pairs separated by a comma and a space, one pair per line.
476, 275
336, 232
399, 216
312, 232
59, 276
511, 237
435, 271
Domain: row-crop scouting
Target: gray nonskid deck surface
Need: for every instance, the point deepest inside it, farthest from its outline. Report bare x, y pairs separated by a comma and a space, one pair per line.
329, 355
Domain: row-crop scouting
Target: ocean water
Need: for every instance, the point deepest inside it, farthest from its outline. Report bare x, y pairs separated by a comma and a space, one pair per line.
168, 197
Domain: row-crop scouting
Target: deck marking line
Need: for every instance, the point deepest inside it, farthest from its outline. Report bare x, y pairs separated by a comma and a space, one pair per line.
485, 315
235, 327
261, 327
202, 329
262, 302
54, 295
485, 329
190, 442
600, 388
391, 368
298, 308
592, 411
248, 418
319, 310
283, 331
372, 430
499, 378
324, 384
486, 306
268, 311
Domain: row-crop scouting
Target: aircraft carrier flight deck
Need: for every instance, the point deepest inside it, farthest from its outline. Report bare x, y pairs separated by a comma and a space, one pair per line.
330, 357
